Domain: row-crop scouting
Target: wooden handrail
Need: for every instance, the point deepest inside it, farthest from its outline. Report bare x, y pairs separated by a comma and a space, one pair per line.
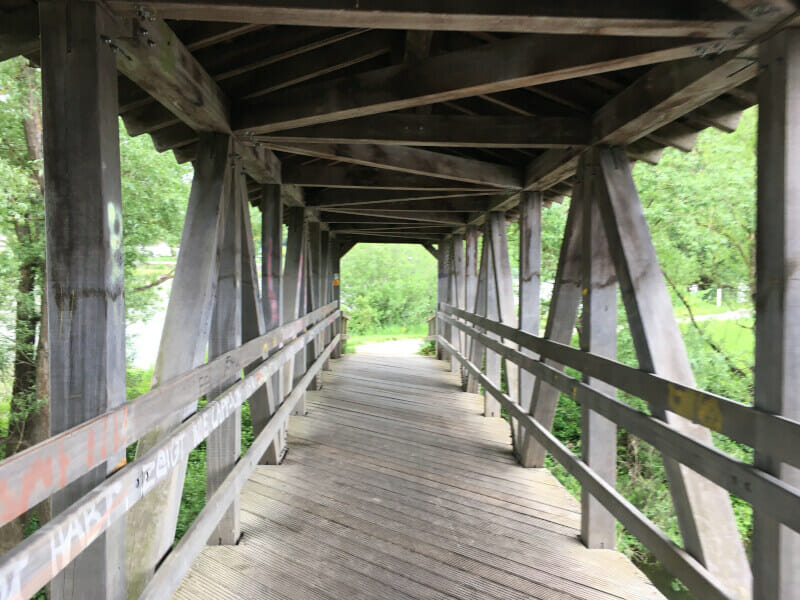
31, 476
679, 562
745, 481
178, 562
761, 489
734, 419
35, 561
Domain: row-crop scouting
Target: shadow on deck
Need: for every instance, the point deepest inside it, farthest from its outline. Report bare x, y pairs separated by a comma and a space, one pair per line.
395, 486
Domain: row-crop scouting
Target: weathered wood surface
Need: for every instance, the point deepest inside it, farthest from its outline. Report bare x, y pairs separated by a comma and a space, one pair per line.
495, 67
396, 487
674, 558
732, 418
776, 550
444, 131
85, 271
700, 19
43, 554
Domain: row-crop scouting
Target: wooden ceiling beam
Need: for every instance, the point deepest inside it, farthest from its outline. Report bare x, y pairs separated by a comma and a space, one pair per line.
405, 227
259, 80
662, 95
409, 216
143, 47
441, 205
455, 204
702, 18
392, 235
371, 239
444, 131
508, 64
427, 216
20, 31
355, 176
413, 161
377, 198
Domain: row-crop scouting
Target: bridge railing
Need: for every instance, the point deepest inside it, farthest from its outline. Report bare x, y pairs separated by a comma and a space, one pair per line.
32, 476
777, 436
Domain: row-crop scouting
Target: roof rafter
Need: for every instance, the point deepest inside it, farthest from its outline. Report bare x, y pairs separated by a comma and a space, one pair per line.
444, 131
412, 160
521, 61
702, 18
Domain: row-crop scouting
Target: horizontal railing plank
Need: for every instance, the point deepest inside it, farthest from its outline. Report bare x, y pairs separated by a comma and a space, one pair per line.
753, 485
674, 558
40, 557
173, 569
734, 419
31, 476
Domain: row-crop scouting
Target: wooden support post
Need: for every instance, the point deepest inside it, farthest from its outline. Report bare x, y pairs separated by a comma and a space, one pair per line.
263, 402
293, 290
470, 282
704, 509
224, 444
314, 295
457, 294
530, 261
272, 300
151, 522
479, 308
327, 293
598, 336
776, 549
443, 291
560, 325
85, 274
336, 257
507, 311
491, 407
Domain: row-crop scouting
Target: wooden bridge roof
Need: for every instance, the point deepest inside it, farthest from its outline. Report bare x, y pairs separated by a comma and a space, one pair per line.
409, 121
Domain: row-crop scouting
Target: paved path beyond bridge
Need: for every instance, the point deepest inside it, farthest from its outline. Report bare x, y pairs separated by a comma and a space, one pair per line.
395, 486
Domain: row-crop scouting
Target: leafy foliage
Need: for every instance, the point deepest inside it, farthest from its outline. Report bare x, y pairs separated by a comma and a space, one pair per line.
387, 285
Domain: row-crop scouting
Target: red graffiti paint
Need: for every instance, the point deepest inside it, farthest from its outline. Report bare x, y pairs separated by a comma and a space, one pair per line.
104, 447
90, 448
63, 465
13, 505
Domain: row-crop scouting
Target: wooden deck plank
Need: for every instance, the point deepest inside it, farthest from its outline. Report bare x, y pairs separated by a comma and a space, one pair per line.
395, 487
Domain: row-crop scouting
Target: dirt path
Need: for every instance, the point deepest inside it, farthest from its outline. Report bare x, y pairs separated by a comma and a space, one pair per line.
391, 348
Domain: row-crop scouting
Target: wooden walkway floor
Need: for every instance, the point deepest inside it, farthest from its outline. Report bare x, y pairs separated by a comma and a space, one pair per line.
396, 487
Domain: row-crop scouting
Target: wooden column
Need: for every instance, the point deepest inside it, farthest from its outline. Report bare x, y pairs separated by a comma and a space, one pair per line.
704, 510
504, 286
314, 294
470, 284
560, 325
224, 444
457, 294
85, 273
476, 350
151, 522
293, 290
327, 293
336, 258
272, 301
491, 407
598, 336
776, 548
443, 290
530, 261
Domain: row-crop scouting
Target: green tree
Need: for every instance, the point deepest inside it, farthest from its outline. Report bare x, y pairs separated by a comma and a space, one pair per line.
387, 285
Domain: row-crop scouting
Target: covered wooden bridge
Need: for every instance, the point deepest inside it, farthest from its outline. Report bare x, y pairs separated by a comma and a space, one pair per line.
410, 122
